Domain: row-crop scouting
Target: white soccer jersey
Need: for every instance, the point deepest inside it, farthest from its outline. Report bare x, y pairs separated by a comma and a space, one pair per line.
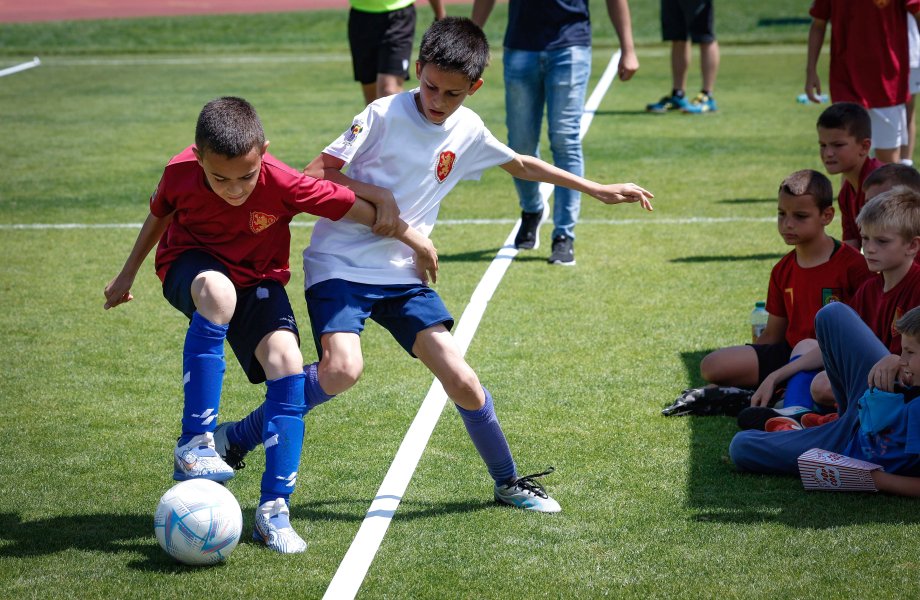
393, 146
913, 39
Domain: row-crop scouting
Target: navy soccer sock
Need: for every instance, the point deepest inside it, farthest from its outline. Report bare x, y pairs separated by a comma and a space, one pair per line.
314, 395
203, 369
489, 440
282, 436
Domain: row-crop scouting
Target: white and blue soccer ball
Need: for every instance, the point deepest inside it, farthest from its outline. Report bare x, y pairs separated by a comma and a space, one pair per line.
198, 522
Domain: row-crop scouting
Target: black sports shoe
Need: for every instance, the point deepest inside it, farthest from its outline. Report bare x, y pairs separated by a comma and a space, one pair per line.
563, 251
755, 417
527, 237
232, 454
708, 401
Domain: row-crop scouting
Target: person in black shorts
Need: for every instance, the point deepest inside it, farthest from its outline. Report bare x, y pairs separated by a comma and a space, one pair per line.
380, 33
683, 22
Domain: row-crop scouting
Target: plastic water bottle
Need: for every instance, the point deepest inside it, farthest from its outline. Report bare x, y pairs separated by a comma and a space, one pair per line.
803, 98
758, 320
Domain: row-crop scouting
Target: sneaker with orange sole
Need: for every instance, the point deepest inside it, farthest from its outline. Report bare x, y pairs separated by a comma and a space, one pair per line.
781, 424
816, 420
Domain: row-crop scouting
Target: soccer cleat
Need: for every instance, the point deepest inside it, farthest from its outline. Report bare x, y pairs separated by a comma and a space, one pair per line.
563, 251
528, 234
709, 401
781, 424
666, 104
231, 454
702, 103
197, 459
273, 528
755, 417
816, 420
526, 493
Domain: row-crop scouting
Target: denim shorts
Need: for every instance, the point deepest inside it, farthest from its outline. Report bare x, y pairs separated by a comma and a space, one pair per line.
336, 305
260, 309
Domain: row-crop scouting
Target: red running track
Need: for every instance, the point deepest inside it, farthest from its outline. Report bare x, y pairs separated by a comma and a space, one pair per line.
22, 11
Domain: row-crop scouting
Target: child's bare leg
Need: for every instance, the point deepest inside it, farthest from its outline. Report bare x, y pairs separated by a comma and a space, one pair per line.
214, 296
342, 362
821, 391
735, 365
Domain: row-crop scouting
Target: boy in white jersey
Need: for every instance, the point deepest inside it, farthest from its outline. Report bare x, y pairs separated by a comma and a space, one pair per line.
406, 152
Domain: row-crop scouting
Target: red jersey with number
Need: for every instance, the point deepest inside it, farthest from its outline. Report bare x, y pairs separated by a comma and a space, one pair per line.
869, 49
796, 293
252, 240
852, 200
880, 310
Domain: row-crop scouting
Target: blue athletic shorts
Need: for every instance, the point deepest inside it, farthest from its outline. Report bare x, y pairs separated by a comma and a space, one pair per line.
260, 309
336, 305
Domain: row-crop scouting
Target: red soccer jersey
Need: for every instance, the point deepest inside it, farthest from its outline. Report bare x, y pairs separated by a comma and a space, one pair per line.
796, 294
880, 310
869, 49
252, 240
851, 201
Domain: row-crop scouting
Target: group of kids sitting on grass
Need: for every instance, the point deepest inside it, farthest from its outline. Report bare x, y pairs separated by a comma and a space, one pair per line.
829, 382
220, 221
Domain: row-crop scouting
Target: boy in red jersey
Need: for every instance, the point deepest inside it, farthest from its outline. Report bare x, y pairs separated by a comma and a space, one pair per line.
844, 134
819, 270
869, 63
890, 225
221, 214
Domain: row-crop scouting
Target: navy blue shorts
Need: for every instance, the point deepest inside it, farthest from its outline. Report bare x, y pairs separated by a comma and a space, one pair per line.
260, 309
336, 305
687, 19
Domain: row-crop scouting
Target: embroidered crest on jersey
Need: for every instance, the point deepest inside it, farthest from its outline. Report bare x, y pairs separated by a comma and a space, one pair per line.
354, 131
445, 163
829, 295
260, 221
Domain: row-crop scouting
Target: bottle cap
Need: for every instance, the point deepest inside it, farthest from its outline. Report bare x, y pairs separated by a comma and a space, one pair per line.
760, 304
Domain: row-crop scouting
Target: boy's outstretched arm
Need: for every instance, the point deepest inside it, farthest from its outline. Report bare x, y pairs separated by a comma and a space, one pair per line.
534, 169
326, 166
426, 256
815, 42
118, 291
618, 10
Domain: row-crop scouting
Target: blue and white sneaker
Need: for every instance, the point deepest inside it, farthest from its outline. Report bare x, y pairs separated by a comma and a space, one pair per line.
526, 493
702, 103
198, 460
229, 452
667, 104
273, 528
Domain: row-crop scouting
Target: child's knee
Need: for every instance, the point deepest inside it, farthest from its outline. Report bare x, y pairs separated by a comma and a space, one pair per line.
464, 388
821, 390
214, 296
338, 373
279, 354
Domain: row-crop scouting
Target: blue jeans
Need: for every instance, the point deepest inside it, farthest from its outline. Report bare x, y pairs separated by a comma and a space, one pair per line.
558, 79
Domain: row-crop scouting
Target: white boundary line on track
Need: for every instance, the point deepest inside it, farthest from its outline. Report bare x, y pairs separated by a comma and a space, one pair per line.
20, 67
444, 223
354, 566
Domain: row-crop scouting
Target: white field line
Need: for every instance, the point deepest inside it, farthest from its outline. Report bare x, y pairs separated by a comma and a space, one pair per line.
354, 566
445, 223
20, 67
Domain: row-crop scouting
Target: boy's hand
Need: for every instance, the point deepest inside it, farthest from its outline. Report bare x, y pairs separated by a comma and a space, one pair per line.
813, 87
615, 193
118, 291
884, 374
387, 215
426, 262
764, 392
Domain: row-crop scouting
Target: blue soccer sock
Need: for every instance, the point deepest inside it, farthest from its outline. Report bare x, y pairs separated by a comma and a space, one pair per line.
247, 433
282, 436
798, 389
203, 369
314, 395
489, 440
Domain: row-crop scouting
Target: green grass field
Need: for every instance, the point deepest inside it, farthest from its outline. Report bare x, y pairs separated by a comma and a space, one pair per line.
580, 360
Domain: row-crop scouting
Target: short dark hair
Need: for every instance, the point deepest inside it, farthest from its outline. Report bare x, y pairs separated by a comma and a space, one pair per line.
229, 126
455, 44
849, 116
808, 182
894, 174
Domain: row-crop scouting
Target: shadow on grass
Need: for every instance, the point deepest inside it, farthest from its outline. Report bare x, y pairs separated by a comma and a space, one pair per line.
747, 201
718, 493
484, 255
727, 258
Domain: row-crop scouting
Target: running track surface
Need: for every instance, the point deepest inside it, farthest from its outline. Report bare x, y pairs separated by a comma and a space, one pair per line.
21, 11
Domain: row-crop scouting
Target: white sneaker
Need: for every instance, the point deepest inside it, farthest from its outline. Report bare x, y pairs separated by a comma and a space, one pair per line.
526, 493
273, 528
197, 459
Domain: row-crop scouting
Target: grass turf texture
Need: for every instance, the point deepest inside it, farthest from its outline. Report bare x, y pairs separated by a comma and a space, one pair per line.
580, 360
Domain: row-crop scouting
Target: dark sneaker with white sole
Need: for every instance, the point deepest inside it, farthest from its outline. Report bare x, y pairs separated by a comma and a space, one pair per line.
528, 234
563, 251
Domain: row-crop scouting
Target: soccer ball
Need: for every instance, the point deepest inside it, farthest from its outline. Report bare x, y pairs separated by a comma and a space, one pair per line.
198, 522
